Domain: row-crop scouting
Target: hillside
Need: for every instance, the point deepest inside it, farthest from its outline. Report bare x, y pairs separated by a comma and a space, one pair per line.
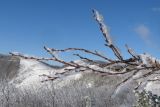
80, 89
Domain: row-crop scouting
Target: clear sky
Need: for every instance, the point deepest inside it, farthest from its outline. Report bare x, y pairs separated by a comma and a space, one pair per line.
27, 25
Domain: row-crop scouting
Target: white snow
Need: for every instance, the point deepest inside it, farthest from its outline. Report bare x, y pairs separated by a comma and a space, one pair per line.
29, 73
89, 85
154, 86
149, 60
65, 81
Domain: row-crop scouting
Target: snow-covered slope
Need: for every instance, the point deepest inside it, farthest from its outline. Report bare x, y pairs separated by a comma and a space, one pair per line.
29, 73
25, 74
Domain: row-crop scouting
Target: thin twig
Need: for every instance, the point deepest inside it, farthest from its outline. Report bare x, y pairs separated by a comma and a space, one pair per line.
87, 59
131, 52
99, 18
83, 50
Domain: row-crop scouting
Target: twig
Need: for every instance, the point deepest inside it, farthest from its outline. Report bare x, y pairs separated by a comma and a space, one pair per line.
83, 50
73, 64
148, 74
99, 18
131, 52
49, 78
158, 79
87, 59
29, 57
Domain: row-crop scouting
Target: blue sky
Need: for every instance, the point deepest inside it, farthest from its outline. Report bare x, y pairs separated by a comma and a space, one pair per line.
27, 25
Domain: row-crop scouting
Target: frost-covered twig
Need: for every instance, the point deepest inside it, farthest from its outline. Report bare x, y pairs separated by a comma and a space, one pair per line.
73, 64
99, 18
83, 50
49, 78
42, 58
29, 57
87, 59
149, 61
131, 52
152, 71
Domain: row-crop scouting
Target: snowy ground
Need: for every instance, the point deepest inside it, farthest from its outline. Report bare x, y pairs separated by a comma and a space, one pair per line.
80, 84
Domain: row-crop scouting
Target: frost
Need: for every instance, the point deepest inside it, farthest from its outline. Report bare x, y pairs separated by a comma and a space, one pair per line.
149, 60
29, 73
153, 86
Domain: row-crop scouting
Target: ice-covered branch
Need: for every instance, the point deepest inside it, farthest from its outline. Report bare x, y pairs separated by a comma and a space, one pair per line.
87, 59
29, 57
82, 50
99, 18
73, 64
131, 52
